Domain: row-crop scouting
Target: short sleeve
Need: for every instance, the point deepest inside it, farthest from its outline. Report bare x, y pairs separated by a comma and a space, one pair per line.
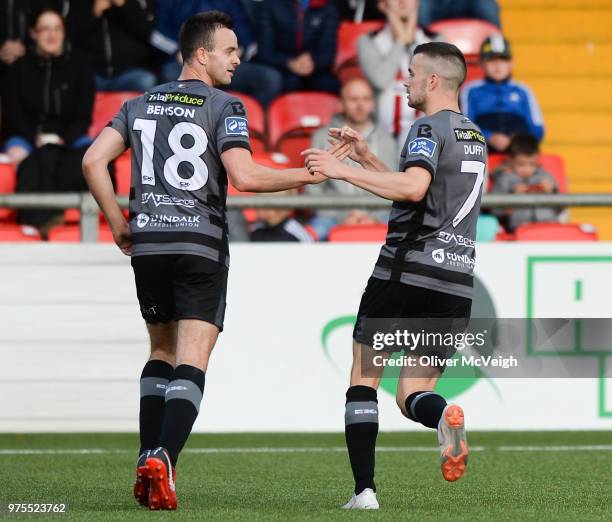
120, 124
232, 126
422, 148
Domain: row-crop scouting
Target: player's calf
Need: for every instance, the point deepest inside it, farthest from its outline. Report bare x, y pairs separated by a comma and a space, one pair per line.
361, 429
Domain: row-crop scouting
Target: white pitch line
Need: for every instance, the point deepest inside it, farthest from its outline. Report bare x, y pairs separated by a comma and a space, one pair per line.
98, 451
601, 447
331, 449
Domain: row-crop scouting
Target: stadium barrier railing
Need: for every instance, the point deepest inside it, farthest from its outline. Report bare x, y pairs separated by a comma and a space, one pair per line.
90, 211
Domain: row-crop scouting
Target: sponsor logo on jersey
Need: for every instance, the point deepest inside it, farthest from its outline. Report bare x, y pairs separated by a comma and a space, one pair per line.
459, 240
164, 221
170, 111
423, 146
142, 220
176, 98
438, 255
469, 135
236, 126
165, 199
460, 260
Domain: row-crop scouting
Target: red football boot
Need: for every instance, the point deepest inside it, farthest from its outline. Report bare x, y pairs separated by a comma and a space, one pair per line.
162, 478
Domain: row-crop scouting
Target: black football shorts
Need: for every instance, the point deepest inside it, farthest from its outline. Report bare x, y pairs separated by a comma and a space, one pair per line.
171, 287
386, 302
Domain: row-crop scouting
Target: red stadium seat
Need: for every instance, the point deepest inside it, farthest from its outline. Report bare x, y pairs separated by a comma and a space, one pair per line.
8, 182
467, 34
18, 233
474, 72
502, 235
293, 118
358, 233
555, 232
257, 123
106, 105
72, 234
495, 159
72, 215
348, 35
554, 165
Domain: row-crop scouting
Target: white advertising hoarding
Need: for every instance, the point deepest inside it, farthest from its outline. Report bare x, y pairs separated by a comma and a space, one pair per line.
72, 342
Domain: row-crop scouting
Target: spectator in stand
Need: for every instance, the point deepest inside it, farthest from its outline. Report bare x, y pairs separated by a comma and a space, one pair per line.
116, 34
298, 38
500, 106
431, 11
522, 174
50, 94
384, 57
359, 10
278, 224
357, 103
257, 80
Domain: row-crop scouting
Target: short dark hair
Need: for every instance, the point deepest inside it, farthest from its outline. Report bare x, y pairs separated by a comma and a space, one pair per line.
525, 144
44, 10
449, 53
199, 29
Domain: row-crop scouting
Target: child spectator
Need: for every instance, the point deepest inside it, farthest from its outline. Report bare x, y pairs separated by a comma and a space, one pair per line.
299, 40
358, 106
278, 224
500, 106
384, 57
522, 174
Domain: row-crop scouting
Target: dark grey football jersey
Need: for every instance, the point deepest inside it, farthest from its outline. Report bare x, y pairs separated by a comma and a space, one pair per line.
177, 132
431, 243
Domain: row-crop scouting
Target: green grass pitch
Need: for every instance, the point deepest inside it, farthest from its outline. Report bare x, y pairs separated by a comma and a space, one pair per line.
501, 483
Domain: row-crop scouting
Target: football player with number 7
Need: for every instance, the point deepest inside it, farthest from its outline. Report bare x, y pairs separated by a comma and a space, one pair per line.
187, 138
425, 268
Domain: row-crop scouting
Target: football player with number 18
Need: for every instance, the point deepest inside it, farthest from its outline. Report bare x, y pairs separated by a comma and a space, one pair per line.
186, 138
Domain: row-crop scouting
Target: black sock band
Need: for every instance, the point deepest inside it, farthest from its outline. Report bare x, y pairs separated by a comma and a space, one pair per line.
425, 407
361, 430
183, 398
155, 377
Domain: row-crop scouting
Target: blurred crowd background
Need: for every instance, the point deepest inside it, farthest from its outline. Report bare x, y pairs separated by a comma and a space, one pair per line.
66, 66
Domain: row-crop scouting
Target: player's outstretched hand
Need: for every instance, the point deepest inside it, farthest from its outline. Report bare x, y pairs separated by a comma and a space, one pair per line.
322, 162
357, 144
123, 238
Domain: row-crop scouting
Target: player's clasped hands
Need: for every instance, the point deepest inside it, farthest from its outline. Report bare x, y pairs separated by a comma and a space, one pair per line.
345, 142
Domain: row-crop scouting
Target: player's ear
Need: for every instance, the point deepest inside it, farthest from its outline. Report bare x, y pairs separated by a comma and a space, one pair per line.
202, 56
433, 82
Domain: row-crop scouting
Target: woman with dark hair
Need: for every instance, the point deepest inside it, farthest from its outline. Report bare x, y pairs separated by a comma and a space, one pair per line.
47, 108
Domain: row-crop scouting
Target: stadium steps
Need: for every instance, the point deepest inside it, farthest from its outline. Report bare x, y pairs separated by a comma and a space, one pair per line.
563, 50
